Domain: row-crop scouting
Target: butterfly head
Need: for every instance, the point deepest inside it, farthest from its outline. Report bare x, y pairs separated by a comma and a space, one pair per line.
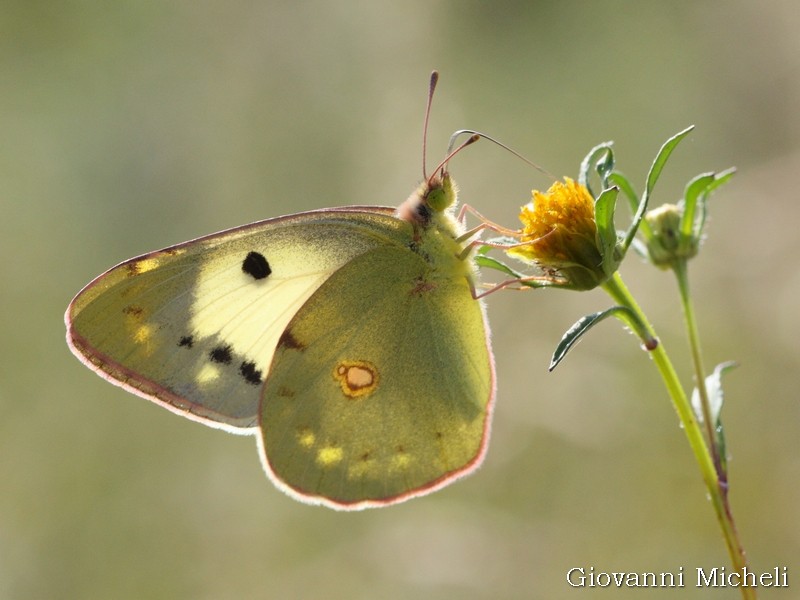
434, 196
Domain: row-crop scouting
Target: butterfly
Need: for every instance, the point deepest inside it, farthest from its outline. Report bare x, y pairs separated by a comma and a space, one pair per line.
349, 341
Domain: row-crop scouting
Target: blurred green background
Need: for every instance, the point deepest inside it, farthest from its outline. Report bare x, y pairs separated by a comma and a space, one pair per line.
131, 125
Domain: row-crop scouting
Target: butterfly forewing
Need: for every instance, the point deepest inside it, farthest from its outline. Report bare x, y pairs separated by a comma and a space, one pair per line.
194, 327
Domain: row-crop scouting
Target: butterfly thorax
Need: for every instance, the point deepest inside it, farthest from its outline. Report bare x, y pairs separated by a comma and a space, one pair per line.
429, 209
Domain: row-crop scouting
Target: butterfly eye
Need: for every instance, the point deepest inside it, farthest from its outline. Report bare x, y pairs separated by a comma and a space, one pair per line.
437, 200
442, 195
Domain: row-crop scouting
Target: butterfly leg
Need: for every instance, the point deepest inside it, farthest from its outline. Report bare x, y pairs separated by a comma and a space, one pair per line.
523, 283
483, 225
484, 222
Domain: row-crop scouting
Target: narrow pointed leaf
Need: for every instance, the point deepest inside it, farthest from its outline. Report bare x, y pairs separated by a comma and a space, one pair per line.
713, 385
719, 433
490, 262
574, 333
662, 157
524, 280
618, 179
653, 175
695, 192
722, 177
623, 183
491, 243
600, 156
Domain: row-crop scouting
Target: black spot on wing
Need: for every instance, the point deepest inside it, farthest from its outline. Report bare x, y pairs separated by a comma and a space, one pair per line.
226, 354
221, 354
187, 341
256, 266
250, 373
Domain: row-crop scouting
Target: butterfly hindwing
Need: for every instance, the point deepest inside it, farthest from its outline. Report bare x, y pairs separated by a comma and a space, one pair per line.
381, 384
194, 327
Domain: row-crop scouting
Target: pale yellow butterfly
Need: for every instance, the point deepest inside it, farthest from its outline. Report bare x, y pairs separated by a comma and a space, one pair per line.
348, 340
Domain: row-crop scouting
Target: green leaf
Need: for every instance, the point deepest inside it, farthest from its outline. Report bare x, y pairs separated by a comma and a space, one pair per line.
652, 176
662, 157
695, 192
492, 243
719, 434
605, 166
580, 327
713, 385
606, 234
618, 179
623, 183
491, 262
719, 179
695, 198
601, 157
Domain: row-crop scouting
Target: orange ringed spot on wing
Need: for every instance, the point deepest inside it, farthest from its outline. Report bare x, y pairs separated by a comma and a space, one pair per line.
357, 378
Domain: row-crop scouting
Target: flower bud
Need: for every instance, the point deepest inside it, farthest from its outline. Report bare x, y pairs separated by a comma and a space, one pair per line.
666, 244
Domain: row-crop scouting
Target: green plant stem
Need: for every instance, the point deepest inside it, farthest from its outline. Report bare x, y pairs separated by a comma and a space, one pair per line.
717, 490
681, 274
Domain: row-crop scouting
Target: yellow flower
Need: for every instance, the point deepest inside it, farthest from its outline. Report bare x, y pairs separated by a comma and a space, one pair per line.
559, 234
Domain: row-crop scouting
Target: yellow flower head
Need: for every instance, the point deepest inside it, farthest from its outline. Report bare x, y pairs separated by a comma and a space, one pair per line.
559, 234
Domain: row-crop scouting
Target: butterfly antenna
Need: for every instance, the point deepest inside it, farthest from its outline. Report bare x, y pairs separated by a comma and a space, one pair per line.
461, 132
442, 166
431, 89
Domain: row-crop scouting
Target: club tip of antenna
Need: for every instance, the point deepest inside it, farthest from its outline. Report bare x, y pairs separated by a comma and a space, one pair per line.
431, 89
